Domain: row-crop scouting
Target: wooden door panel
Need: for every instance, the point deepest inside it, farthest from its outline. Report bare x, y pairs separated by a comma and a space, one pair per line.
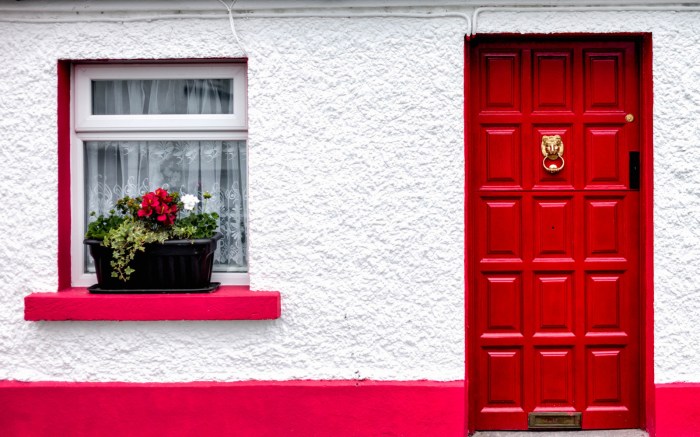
604, 232
504, 365
500, 219
553, 290
604, 376
605, 166
500, 80
552, 81
556, 286
603, 78
501, 157
603, 302
553, 227
501, 303
554, 379
501, 399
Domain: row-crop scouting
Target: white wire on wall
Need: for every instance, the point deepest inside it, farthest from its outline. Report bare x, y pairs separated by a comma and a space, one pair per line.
157, 17
471, 21
633, 8
229, 8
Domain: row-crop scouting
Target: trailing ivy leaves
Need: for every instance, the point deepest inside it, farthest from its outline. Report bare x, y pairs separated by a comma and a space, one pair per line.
151, 218
125, 241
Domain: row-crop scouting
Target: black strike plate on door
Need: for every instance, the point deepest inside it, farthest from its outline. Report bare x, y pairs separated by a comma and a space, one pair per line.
634, 170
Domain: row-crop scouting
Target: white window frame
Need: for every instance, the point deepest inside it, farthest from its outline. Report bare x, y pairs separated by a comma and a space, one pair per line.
86, 73
88, 127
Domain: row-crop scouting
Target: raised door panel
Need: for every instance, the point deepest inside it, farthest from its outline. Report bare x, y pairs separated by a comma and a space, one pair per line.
604, 377
604, 227
605, 158
500, 155
554, 379
612, 390
502, 383
499, 219
603, 80
500, 81
553, 226
501, 304
604, 302
500, 388
553, 304
552, 81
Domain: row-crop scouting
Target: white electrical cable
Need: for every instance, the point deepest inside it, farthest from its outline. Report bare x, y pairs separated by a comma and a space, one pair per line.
472, 22
148, 18
233, 28
642, 8
101, 19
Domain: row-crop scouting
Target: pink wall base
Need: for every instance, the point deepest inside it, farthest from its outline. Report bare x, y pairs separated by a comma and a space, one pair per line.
271, 409
255, 409
678, 410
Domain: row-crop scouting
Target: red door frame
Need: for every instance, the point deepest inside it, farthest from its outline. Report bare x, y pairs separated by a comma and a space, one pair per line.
644, 41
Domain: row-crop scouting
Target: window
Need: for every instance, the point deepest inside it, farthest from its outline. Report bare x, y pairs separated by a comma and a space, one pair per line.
183, 127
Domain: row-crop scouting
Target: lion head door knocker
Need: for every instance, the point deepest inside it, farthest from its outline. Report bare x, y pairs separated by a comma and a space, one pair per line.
552, 149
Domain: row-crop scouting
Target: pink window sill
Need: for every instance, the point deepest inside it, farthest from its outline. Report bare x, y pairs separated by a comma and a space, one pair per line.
229, 302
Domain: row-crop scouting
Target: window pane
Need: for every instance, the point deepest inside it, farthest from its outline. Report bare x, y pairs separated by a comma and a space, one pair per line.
114, 169
162, 96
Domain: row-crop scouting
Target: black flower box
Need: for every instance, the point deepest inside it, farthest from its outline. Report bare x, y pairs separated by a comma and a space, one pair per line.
176, 266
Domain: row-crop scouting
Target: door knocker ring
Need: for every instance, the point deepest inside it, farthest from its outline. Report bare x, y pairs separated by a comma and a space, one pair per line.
552, 149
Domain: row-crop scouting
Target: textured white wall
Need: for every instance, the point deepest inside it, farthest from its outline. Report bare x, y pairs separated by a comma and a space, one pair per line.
356, 197
356, 203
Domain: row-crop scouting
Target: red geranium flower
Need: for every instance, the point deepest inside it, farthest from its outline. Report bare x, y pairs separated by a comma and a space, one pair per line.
160, 203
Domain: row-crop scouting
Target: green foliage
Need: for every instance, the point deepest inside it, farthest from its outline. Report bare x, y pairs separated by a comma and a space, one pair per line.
127, 233
99, 229
125, 240
193, 226
128, 205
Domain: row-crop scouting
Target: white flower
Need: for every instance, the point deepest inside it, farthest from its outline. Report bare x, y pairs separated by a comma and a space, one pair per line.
189, 201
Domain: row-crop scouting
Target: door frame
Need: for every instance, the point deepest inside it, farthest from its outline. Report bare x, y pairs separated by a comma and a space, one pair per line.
646, 218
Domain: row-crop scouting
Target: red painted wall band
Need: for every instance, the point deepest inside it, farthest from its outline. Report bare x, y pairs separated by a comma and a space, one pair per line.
269, 408
255, 409
647, 237
63, 150
677, 410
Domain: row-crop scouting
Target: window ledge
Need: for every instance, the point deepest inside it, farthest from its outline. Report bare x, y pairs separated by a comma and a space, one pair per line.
229, 302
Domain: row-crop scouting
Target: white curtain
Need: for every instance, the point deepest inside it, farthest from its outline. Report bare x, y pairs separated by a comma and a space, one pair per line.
164, 96
119, 168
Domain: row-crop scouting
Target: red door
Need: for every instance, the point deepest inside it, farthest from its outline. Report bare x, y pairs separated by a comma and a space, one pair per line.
555, 260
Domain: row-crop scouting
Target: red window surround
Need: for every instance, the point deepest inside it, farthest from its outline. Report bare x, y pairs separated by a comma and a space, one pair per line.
227, 303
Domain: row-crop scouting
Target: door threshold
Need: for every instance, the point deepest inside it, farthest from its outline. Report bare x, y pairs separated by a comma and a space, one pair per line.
596, 433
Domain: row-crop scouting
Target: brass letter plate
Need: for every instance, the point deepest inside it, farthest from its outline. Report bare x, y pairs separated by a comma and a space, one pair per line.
553, 420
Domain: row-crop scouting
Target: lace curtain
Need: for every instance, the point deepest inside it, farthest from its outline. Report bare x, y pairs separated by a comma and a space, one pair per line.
114, 169
164, 96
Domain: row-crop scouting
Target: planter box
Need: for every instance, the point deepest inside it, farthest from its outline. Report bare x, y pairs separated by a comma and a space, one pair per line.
176, 266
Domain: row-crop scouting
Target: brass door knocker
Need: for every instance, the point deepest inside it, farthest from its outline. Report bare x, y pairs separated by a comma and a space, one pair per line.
552, 149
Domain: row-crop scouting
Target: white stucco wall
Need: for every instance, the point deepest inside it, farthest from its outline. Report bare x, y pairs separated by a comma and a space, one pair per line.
356, 194
356, 197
